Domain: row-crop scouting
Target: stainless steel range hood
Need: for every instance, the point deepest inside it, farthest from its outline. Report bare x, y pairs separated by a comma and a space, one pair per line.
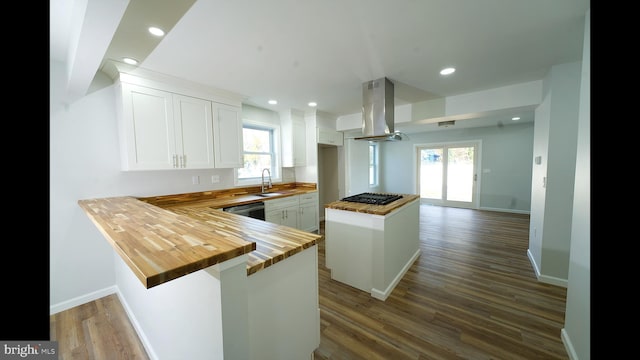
378, 111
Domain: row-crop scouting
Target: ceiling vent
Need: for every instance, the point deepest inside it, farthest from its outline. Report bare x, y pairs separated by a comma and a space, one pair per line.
446, 123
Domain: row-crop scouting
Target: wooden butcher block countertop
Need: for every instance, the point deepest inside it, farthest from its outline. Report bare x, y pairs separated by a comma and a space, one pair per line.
372, 209
273, 242
161, 244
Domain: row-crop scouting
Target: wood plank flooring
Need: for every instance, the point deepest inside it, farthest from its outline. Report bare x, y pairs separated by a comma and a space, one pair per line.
472, 294
96, 330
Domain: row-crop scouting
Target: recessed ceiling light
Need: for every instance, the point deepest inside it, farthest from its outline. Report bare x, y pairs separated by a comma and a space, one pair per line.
156, 31
273, 102
447, 71
515, 118
130, 61
313, 104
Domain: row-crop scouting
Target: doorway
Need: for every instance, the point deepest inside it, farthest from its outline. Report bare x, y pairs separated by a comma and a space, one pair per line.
329, 172
447, 174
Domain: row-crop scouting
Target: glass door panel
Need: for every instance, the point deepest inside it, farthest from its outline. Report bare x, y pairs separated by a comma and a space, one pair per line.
447, 174
460, 173
431, 173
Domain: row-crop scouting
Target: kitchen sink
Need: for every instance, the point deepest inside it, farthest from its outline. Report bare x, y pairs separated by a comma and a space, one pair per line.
269, 194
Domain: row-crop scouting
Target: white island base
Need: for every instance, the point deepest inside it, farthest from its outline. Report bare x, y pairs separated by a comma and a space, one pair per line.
372, 252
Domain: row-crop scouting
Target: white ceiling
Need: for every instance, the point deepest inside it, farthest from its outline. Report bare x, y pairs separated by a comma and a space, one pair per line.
298, 51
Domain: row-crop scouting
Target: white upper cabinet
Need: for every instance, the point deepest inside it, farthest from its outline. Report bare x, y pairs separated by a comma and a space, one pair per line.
147, 128
329, 137
163, 129
194, 133
227, 131
294, 143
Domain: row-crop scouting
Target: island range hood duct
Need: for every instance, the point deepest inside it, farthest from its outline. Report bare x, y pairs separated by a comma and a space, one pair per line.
377, 111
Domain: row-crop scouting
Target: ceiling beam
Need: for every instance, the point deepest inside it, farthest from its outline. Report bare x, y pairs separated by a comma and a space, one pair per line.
93, 24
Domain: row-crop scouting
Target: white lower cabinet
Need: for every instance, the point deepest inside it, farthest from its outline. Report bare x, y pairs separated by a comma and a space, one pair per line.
283, 211
308, 219
298, 211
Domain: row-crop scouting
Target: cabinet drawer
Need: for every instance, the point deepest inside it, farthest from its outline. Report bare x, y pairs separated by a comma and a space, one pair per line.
308, 197
281, 203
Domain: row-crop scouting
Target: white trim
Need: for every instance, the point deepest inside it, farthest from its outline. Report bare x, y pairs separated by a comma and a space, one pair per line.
568, 345
383, 295
136, 325
545, 278
514, 211
553, 280
83, 299
532, 260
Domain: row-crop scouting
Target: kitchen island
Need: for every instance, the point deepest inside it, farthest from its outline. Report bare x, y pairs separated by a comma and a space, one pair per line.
200, 283
369, 246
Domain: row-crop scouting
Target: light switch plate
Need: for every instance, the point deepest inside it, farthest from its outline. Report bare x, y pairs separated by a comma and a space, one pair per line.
538, 160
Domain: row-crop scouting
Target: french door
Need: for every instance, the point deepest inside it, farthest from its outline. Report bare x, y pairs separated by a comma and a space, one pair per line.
447, 174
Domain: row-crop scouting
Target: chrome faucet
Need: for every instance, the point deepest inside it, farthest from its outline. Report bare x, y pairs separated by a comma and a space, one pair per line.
269, 183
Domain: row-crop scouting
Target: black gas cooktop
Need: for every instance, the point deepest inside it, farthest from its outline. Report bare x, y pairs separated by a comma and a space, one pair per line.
373, 198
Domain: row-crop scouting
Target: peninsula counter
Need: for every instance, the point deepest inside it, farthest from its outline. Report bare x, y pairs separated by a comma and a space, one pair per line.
200, 283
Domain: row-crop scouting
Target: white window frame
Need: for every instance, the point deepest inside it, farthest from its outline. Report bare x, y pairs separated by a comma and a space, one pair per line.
375, 163
276, 170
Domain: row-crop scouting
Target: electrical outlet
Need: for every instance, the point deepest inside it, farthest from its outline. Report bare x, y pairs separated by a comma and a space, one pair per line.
195, 180
215, 179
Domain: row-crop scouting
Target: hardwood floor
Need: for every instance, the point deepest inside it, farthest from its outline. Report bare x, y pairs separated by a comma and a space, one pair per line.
472, 294
96, 330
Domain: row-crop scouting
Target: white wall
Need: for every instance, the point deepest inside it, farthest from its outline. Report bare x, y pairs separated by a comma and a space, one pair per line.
538, 177
576, 333
563, 135
356, 166
85, 163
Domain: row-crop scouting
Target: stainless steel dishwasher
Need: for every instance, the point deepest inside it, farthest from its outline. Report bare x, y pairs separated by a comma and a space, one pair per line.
254, 210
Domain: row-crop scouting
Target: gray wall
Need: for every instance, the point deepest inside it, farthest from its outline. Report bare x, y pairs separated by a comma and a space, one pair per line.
577, 328
555, 141
506, 151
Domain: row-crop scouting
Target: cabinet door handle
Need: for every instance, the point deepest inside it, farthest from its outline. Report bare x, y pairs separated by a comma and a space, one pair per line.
175, 160
183, 161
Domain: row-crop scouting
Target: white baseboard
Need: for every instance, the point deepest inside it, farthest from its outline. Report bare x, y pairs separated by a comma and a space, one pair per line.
566, 340
545, 278
383, 295
533, 263
65, 305
505, 210
136, 325
553, 281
